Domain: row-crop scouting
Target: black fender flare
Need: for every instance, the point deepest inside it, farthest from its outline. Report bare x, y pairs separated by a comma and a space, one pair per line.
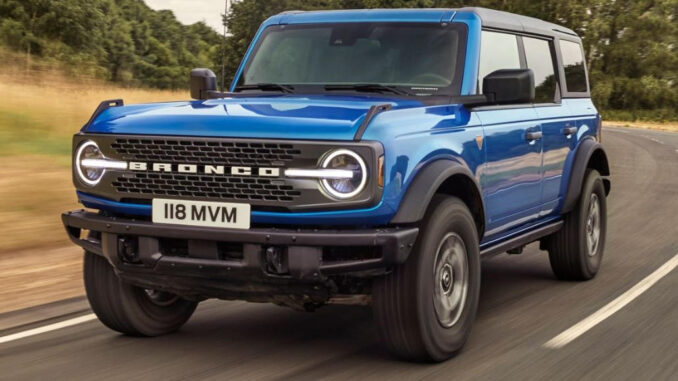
425, 185
586, 150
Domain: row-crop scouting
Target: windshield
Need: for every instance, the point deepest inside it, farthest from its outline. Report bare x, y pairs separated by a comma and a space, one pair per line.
412, 58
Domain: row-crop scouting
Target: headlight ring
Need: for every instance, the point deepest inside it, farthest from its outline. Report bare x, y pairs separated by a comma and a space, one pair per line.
90, 175
344, 159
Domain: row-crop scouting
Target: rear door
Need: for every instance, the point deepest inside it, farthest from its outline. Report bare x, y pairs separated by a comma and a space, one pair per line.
511, 178
557, 124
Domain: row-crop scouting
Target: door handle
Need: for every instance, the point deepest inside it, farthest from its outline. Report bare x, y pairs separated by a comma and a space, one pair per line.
533, 135
569, 130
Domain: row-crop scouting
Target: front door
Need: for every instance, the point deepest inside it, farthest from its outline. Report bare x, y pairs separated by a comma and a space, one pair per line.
511, 178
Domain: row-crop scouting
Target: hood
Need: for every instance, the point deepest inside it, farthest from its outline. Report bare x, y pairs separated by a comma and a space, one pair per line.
275, 117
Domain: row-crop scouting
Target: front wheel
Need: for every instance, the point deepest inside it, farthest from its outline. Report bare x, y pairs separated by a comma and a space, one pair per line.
425, 308
128, 309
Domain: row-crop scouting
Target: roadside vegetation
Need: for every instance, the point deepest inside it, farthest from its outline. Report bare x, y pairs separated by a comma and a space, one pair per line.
123, 41
39, 112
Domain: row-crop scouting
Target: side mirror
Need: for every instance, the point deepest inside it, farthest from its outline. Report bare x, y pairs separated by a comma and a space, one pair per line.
509, 86
202, 82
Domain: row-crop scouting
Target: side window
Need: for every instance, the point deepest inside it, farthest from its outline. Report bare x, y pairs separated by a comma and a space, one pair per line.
497, 51
573, 62
539, 59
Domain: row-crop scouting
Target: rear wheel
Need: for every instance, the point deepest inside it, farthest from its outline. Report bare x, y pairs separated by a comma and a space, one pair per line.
575, 252
425, 308
128, 309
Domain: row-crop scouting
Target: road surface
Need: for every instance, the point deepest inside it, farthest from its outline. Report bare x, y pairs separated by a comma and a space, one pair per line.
522, 308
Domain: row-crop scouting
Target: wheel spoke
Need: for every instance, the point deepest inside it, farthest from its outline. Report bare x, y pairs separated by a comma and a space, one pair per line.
451, 279
592, 229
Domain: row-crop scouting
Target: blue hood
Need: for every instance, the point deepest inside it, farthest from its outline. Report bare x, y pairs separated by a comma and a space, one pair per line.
274, 117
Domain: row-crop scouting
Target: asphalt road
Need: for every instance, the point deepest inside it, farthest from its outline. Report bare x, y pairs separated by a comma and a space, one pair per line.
521, 308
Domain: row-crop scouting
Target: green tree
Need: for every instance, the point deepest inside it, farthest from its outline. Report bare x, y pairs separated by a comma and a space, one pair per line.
122, 40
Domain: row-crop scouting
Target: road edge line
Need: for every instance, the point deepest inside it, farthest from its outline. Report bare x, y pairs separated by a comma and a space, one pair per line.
609, 309
47, 328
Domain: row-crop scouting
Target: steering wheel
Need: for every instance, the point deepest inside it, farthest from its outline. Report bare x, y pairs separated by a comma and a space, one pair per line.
430, 78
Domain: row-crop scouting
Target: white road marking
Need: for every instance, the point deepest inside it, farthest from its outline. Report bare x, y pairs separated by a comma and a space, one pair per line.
580, 328
47, 328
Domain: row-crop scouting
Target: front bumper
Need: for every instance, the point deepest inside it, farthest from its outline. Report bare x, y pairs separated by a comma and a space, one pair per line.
252, 264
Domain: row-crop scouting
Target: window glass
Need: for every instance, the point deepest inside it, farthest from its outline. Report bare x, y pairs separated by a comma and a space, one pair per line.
410, 55
539, 59
573, 62
497, 51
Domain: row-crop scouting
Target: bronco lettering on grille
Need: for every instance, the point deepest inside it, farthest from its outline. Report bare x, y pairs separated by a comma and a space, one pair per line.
206, 169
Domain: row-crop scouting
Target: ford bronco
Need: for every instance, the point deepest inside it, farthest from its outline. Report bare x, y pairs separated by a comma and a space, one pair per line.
372, 156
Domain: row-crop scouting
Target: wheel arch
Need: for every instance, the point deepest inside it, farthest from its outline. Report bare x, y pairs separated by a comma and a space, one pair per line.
590, 154
441, 176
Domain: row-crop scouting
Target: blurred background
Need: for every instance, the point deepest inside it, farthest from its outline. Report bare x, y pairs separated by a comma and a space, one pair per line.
60, 58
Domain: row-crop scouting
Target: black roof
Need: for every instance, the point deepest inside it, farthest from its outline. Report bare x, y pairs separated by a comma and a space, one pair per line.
510, 21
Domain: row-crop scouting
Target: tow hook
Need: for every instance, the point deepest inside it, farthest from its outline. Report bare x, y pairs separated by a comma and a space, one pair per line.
276, 261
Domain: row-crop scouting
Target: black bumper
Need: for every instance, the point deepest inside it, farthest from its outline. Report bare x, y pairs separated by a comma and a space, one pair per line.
303, 258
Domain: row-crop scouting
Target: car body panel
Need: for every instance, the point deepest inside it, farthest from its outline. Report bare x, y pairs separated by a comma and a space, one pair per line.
511, 178
557, 147
318, 117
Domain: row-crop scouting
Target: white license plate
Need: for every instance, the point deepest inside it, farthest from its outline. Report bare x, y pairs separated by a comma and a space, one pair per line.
201, 213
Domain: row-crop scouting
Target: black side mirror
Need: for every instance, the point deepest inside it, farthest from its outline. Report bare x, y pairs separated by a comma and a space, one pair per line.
202, 82
508, 86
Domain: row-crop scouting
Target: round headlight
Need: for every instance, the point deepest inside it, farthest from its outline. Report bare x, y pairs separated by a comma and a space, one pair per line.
90, 175
344, 188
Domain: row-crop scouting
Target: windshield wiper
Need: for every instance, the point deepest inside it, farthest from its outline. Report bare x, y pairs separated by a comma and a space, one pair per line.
267, 87
368, 88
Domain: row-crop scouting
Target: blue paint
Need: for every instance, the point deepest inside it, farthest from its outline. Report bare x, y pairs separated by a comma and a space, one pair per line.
95, 202
277, 116
473, 23
338, 217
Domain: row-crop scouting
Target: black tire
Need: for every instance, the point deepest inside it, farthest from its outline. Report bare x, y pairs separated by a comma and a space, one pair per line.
128, 309
404, 302
570, 253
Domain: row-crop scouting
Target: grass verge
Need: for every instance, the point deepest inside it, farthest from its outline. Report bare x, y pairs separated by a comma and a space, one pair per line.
39, 112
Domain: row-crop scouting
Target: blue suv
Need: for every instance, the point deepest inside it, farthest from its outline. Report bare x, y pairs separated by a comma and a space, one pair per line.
367, 156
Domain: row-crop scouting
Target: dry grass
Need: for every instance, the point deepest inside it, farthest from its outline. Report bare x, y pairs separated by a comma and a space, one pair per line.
33, 277
34, 191
40, 112
38, 115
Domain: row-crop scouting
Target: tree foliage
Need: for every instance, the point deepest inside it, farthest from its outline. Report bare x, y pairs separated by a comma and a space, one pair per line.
121, 40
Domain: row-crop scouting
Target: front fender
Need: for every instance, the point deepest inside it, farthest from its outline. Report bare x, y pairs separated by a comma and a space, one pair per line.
425, 185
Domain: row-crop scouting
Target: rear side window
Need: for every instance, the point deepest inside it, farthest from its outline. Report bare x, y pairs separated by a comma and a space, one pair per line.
539, 59
573, 62
497, 51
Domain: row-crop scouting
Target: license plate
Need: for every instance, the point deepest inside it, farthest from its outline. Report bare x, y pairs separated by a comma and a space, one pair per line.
201, 213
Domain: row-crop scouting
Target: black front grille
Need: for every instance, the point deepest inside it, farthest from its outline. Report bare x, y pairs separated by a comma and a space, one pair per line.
244, 170
198, 151
206, 186
205, 152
